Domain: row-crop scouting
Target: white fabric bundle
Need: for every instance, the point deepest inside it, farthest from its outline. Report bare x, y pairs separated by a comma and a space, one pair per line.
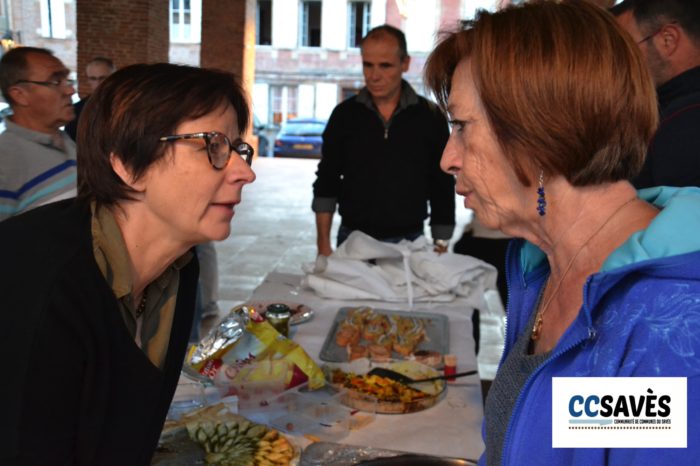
407, 271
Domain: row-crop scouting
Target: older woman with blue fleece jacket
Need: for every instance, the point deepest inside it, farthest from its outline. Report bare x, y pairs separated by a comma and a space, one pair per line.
552, 107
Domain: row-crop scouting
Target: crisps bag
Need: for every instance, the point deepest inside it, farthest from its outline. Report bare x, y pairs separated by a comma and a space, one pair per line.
245, 351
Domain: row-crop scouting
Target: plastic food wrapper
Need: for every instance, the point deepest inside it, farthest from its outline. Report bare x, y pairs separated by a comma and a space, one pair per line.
244, 350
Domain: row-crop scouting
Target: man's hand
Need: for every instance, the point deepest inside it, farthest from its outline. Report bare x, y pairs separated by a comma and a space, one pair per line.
440, 245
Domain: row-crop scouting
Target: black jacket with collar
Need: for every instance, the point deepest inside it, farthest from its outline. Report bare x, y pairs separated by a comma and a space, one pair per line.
673, 158
384, 177
77, 390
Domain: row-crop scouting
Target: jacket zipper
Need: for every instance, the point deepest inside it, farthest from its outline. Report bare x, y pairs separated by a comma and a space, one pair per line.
505, 452
508, 302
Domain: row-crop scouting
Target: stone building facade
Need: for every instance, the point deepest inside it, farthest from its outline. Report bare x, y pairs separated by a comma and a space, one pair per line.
306, 59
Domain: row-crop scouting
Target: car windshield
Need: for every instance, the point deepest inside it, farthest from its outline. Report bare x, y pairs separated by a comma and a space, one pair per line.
303, 128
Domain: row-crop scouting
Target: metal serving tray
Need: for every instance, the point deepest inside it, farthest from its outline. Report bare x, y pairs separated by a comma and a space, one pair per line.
325, 453
436, 330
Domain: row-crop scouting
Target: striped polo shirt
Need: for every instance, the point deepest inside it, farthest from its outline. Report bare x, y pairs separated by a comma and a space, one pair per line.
34, 169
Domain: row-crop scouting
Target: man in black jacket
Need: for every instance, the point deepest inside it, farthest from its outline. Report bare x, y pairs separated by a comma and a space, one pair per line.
97, 71
381, 155
668, 35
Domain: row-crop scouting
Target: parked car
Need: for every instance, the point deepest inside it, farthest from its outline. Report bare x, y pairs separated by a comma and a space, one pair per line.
300, 137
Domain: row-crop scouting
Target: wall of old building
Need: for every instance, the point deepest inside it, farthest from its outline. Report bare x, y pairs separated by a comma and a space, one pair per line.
317, 78
126, 32
29, 26
310, 80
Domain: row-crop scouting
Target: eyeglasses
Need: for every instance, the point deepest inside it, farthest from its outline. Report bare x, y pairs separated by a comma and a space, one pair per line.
219, 147
654, 33
55, 83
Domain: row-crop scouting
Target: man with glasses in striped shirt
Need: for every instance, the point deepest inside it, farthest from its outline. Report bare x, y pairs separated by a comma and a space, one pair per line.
37, 159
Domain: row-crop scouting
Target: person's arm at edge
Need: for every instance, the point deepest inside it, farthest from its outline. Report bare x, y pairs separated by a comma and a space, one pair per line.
327, 184
324, 220
442, 189
8, 203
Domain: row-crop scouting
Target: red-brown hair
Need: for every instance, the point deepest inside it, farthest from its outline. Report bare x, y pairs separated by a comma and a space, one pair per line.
564, 89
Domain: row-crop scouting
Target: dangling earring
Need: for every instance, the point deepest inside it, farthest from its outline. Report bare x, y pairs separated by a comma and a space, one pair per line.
541, 202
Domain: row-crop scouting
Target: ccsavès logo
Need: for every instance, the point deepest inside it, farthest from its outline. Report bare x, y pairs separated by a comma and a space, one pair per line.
619, 412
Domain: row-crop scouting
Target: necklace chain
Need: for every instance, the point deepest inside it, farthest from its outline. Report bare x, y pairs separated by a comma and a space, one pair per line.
537, 327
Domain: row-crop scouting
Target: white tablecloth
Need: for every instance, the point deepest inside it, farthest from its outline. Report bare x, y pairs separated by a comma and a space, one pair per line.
451, 428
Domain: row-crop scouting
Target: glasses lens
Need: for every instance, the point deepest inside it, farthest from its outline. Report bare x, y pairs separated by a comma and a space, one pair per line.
244, 150
219, 150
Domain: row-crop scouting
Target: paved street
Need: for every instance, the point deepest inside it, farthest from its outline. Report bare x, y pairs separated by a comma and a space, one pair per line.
273, 228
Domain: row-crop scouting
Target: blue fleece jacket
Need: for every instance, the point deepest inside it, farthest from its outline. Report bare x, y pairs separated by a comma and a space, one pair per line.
640, 318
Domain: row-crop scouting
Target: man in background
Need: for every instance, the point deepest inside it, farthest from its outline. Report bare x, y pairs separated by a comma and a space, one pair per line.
37, 159
381, 155
97, 71
668, 35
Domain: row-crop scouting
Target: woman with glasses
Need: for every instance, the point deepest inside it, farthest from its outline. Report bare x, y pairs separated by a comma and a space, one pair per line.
98, 292
552, 107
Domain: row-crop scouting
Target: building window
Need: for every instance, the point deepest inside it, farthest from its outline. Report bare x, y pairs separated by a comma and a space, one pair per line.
185, 20
53, 18
310, 24
283, 103
263, 23
358, 22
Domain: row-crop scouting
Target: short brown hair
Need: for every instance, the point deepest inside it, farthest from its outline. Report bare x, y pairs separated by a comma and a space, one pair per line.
103, 60
136, 106
14, 67
391, 31
564, 89
651, 15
